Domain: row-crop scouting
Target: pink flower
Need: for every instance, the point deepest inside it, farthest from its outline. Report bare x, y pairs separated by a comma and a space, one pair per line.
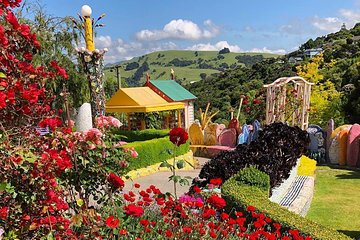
79, 136
107, 121
114, 122
94, 135
134, 154
101, 122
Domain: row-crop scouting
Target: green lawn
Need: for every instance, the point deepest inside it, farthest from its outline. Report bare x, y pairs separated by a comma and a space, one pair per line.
336, 202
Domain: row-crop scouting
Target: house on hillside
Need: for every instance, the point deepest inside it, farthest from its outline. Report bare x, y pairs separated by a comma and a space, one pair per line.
295, 59
355, 39
171, 91
310, 53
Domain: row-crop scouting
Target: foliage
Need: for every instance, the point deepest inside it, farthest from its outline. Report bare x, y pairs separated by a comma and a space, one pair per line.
336, 76
239, 196
180, 63
224, 50
139, 135
275, 152
57, 38
251, 176
134, 80
249, 60
153, 151
241, 81
131, 66
325, 99
307, 166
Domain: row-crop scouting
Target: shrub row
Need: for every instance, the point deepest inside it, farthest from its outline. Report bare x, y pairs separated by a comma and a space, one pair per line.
139, 135
251, 176
239, 195
154, 151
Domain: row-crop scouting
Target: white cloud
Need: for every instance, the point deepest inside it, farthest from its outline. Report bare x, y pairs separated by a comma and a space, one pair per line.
266, 50
328, 24
180, 29
333, 24
121, 50
215, 47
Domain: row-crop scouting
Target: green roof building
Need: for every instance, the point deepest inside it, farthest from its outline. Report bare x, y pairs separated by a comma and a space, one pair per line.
171, 91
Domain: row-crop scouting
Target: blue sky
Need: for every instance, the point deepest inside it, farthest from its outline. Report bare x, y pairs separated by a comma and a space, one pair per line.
136, 27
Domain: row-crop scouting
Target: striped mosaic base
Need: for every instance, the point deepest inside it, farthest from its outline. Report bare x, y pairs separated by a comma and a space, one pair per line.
294, 191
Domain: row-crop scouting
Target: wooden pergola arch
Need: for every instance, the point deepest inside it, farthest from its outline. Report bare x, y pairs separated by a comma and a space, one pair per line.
276, 101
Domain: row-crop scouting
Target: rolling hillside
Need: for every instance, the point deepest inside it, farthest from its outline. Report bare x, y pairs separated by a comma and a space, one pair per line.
189, 66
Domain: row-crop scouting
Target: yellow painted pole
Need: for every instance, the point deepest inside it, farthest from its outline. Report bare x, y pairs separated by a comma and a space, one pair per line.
89, 34
179, 118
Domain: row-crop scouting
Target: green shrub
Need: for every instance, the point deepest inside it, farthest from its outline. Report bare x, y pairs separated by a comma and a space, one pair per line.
154, 151
238, 196
139, 135
254, 177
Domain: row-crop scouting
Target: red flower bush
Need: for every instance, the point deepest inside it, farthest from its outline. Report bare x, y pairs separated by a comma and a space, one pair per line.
178, 136
115, 181
133, 210
112, 222
216, 201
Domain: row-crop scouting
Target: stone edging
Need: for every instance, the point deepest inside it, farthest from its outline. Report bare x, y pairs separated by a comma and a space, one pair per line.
302, 202
142, 172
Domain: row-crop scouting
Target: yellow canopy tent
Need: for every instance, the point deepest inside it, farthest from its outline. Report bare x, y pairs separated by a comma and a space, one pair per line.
140, 99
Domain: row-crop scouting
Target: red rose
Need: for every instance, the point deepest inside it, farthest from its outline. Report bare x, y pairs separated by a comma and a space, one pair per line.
217, 201
112, 222
123, 232
115, 181
144, 222
216, 181
168, 233
197, 189
250, 209
133, 210
4, 211
178, 136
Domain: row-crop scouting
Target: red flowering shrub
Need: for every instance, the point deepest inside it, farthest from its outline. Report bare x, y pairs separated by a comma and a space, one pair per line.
133, 210
115, 181
216, 201
112, 222
178, 136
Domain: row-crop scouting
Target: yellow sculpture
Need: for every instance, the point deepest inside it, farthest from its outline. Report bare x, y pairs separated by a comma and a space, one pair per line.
204, 118
86, 12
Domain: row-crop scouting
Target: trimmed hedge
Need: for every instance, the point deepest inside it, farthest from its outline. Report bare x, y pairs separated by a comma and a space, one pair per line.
239, 196
254, 177
139, 135
154, 151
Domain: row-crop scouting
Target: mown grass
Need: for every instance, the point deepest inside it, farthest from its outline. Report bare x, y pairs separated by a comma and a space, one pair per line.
336, 202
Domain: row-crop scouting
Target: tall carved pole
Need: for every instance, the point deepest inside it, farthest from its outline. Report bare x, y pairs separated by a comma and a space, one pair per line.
92, 60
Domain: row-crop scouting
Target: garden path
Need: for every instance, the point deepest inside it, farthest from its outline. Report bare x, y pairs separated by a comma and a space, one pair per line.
161, 179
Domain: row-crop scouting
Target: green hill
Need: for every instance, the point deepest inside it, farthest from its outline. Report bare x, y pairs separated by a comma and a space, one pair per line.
341, 52
189, 66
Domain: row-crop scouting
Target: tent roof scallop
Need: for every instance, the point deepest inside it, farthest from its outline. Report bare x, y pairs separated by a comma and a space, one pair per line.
139, 99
